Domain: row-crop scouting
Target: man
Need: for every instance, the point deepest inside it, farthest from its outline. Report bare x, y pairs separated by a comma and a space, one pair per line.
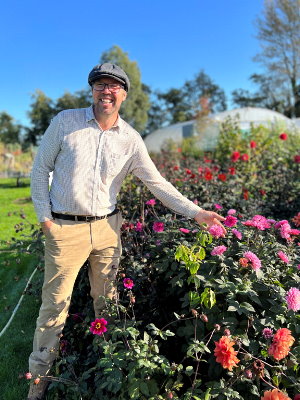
90, 151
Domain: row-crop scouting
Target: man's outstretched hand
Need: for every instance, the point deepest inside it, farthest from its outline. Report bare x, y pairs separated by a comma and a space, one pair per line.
210, 218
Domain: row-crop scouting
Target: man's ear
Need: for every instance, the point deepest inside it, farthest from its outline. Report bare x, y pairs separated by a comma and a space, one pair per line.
124, 95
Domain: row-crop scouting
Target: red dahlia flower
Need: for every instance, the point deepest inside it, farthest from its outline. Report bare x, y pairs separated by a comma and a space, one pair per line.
283, 136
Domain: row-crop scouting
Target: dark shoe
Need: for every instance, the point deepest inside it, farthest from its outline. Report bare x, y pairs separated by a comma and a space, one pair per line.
37, 390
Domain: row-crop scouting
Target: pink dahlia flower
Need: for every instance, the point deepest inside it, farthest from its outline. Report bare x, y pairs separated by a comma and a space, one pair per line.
151, 202
293, 299
218, 206
218, 250
259, 222
158, 226
98, 327
279, 223
283, 257
216, 231
295, 232
231, 211
230, 221
254, 260
184, 230
267, 333
285, 230
237, 233
138, 227
128, 283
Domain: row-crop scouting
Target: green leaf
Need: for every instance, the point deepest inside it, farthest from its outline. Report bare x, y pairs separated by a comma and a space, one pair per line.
144, 388
207, 394
208, 298
194, 299
247, 306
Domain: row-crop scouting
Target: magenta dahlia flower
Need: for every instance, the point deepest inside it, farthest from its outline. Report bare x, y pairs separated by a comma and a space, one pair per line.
230, 221
158, 226
283, 257
128, 283
98, 327
254, 260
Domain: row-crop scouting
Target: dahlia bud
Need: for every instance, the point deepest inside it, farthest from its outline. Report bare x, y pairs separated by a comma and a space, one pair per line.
194, 312
122, 276
170, 395
203, 318
217, 327
28, 375
132, 299
248, 373
37, 381
227, 332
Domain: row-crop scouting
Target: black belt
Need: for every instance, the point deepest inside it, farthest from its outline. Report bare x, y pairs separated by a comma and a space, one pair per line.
86, 218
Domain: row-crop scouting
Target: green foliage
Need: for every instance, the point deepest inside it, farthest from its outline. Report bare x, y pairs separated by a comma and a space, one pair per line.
184, 103
9, 130
40, 114
80, 99
134, 109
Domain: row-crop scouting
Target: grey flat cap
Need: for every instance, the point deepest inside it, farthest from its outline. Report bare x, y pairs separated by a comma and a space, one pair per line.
111, 71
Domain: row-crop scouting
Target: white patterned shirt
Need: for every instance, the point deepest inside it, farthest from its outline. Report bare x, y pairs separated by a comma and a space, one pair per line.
89, 165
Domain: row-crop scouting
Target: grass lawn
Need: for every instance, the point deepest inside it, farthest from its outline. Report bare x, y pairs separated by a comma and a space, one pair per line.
16, 267
16, 345
14, 201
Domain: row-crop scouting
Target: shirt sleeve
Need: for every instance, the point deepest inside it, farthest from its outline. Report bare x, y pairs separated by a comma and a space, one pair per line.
144, 168
44, 164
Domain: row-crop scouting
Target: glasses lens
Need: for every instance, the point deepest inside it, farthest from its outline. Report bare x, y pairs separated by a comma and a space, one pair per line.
112, 87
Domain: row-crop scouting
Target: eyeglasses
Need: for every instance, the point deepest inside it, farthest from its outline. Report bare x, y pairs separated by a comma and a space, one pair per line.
112, 87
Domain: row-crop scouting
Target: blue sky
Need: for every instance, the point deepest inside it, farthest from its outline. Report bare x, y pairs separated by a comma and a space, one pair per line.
53, 45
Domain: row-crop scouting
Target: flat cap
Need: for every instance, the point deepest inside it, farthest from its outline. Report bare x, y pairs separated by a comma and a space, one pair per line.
110, 71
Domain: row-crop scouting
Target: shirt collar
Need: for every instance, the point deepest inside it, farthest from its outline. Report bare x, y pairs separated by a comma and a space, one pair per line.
89, 116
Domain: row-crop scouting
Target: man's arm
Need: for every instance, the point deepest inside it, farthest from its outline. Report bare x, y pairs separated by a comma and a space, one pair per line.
144, 168
43, 164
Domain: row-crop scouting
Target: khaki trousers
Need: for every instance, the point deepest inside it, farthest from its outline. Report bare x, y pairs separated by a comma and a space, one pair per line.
68, 245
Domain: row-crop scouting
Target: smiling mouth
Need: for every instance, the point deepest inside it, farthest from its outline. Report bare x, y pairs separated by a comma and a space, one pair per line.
106, 101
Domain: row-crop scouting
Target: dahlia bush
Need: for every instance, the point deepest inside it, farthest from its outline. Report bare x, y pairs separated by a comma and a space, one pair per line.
199, 315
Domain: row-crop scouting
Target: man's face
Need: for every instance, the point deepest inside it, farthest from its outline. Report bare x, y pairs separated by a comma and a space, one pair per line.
106, 102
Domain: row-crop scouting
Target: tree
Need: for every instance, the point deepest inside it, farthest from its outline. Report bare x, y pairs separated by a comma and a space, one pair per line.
279, 34
41, 112
79, 99
202, 86
9, 131
184, 104
134, 109
266, 96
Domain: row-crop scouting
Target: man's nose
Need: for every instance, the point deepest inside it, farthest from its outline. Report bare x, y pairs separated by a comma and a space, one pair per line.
106, 90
